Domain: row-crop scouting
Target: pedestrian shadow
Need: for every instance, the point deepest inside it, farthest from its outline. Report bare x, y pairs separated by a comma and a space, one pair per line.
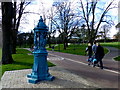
111, 68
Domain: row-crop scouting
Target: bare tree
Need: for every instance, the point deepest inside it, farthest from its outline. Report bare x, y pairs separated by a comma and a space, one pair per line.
52, 29
92, 18
10, 25
81, 32
65, 21
18, 10
48, 14
104, 31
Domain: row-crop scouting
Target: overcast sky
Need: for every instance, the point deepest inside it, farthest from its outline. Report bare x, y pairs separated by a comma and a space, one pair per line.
35, 7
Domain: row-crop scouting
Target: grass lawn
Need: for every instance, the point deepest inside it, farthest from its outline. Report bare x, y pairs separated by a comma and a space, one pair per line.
78, 49
21, 61
112, 44
117, 58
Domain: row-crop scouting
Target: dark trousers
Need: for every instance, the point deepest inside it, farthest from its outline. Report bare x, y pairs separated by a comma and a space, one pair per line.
90, 55
101, 63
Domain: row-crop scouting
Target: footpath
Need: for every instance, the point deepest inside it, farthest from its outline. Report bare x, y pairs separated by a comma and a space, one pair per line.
106, 78
108, 61
71, 72
63, 79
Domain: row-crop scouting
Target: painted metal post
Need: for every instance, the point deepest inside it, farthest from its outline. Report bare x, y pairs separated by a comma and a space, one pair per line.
40, 70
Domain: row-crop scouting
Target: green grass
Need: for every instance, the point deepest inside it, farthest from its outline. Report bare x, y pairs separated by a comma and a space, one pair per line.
112, 44
22, 51
106, 50
117, 58
21, 61
80, 49
74, 49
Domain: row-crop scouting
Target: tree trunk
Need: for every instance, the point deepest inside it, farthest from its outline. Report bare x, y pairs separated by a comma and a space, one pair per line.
64, 46
49, 42
14, 41
6, 28
65, 43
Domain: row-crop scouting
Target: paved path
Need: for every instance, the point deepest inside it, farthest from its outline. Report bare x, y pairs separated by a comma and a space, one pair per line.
108, 61
63, 79
113, 52
77, 64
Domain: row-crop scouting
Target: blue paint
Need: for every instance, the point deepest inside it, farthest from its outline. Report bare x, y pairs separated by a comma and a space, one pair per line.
40, 70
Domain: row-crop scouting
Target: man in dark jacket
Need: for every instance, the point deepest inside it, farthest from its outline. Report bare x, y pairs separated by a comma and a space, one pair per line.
99, 55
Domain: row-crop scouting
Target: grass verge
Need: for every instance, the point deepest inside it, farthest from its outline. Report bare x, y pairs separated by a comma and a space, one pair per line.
78, 49
21, 61
117, 58
112, 44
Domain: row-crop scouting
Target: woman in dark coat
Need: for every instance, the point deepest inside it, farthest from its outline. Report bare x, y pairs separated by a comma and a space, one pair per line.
99, 55
89, 50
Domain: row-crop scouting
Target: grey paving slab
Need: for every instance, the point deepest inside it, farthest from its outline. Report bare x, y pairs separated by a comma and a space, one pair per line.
63, 79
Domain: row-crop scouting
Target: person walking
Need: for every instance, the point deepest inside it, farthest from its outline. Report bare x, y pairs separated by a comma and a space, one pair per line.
99, 54
52, 48
94, 47
32, 48
89, 50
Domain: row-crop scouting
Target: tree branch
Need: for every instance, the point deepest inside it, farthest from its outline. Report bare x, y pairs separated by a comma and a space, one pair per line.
101, 19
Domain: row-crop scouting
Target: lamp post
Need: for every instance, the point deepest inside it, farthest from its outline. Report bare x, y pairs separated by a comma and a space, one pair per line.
40, 70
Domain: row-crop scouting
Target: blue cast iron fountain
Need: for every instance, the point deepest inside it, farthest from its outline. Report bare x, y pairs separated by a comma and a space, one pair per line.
40, 70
